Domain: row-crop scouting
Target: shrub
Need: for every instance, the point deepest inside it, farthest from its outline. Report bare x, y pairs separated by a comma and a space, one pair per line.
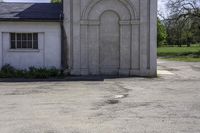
8, 71
8, 68
43, 72
198, 53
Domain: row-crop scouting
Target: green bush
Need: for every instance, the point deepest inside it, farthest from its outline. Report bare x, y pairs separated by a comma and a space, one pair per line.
8, 71
43, 72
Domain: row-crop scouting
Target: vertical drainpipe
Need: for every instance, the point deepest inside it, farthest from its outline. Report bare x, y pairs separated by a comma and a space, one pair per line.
63, 41
61, 37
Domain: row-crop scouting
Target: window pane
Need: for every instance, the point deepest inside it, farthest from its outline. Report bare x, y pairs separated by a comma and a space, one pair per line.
12, 36
29, 36
35, 44
19, 44
35, 36
12, 44
24, 40
29, 44
19, 37
24, 36
24, 44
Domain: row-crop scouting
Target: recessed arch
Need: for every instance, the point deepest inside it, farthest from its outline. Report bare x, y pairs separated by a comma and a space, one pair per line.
109, 11
106, 30
95, 9
109, 49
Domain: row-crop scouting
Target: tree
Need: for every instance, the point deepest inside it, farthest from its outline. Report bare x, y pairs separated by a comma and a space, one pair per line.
162, 34
56, 1
185, 8
183, 24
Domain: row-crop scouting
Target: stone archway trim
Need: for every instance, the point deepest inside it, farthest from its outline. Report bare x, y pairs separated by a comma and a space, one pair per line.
96, 22
127, 4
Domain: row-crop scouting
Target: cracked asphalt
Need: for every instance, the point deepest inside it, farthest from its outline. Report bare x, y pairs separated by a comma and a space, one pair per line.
167, 104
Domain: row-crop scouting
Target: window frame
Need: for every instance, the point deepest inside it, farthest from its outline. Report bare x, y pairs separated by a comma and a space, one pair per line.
25, 41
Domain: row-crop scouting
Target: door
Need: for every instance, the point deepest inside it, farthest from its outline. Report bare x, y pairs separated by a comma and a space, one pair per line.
109, 43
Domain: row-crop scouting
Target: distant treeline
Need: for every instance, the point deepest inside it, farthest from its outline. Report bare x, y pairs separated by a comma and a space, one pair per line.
182, 26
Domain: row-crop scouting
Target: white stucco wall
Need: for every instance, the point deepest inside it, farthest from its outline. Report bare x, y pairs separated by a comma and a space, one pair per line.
49, 43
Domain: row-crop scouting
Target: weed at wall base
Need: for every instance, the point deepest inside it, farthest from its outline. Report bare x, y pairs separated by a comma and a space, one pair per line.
9, 71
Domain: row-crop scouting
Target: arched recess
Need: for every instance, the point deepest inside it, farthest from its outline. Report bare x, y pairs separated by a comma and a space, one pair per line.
109, 43
127, 4
90, 34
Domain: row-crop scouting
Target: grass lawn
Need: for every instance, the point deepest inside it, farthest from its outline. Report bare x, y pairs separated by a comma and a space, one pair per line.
188, 54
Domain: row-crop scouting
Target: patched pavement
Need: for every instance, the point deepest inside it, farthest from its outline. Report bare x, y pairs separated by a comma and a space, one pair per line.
167, 104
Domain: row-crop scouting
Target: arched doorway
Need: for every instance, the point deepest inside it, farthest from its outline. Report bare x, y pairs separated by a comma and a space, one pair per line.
106, 37
109, 43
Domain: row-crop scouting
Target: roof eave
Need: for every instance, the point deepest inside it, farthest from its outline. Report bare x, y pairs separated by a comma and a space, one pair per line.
31, 20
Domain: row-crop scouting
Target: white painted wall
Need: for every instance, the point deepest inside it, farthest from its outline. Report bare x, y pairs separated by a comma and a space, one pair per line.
49, 41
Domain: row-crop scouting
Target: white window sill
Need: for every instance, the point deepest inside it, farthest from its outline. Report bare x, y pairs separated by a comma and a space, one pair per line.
23, 50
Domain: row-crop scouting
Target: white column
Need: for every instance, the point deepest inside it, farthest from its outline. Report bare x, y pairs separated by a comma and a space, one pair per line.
153, 37
125, 48
93, 48
135, 48
84, 48
76, 38
144, 37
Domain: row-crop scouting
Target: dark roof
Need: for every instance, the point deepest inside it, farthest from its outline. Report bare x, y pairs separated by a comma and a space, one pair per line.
30, 11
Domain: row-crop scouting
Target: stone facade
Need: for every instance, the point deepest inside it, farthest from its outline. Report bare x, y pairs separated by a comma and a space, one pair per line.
111, 37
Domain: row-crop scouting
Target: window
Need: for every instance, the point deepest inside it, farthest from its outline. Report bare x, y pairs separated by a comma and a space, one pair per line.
24, 40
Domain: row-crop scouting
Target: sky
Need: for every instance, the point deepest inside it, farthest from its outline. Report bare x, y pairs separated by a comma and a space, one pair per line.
162, 7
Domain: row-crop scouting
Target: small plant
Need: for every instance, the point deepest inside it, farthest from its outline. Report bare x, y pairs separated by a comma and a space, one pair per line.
8, 68
8, 71
198, 53
43, 72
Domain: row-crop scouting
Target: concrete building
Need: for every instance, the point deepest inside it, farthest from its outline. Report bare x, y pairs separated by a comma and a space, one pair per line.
92, 37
